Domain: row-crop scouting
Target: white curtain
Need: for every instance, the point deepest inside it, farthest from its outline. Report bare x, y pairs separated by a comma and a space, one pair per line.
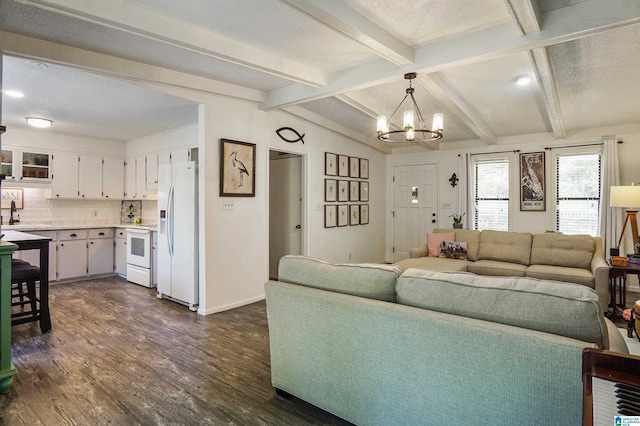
610, 218
465, 201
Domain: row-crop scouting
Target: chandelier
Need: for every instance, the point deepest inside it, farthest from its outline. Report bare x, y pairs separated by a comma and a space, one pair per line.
409, 131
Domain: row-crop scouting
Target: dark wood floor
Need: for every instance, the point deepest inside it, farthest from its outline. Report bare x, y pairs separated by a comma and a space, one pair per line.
118, 355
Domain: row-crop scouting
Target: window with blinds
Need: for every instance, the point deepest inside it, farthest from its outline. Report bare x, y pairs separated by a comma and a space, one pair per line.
491, 195
578, 185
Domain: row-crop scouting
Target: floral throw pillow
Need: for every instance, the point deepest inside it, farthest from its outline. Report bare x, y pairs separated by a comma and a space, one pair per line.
453, 250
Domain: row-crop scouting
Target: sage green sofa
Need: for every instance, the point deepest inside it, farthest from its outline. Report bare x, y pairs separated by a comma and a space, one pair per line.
378, 346
569, 258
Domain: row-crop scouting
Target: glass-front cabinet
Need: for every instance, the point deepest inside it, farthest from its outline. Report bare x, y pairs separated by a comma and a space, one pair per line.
26, 165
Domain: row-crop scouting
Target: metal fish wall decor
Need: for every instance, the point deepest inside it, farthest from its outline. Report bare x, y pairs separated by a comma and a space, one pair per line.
290, 140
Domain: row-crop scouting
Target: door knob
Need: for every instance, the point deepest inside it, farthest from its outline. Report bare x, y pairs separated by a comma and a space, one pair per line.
298, 226
433, 221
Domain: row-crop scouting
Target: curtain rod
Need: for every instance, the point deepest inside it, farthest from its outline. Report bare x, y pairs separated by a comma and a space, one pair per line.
494, 152
549, 148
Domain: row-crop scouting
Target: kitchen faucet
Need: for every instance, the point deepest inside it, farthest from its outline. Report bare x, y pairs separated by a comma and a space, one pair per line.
12, 220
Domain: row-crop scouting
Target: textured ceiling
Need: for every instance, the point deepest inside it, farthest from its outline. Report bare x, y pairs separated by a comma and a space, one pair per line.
340, 62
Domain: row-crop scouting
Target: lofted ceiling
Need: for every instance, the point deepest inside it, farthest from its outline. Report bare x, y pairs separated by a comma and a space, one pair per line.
340, 63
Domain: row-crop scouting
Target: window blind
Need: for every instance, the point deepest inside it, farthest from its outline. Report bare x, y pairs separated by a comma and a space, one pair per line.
491, 195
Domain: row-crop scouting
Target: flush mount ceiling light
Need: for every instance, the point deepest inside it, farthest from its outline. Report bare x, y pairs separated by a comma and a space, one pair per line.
522, 80
14, 93
410, 132
39, 122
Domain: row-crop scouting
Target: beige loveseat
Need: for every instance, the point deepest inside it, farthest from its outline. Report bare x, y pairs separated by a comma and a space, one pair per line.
550, 256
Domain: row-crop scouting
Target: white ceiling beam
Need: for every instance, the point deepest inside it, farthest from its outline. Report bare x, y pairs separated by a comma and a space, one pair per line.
561, 25
27, 47
526, 15
338, 16
454, 102
126, 16
546, 80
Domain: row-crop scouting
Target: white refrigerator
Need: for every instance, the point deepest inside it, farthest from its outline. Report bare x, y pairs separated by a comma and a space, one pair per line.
178, 233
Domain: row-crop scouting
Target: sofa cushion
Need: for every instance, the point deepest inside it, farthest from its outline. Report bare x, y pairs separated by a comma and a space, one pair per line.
434, 264
373, 281
561, 273
469, 236
435, 238
513, 247
565, 309
575, 251
494, 267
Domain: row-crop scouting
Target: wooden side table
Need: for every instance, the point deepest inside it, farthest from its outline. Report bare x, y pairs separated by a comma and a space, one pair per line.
7, 371
618, 284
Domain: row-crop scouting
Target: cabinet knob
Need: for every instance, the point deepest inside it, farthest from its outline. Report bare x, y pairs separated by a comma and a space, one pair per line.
73, 235
101, 233
91, 242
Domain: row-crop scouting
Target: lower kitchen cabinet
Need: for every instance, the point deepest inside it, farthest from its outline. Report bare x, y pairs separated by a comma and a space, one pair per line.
72, 258
100, 251
121, 252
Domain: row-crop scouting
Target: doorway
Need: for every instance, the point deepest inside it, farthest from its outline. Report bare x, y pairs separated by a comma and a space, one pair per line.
415, 198
285, 207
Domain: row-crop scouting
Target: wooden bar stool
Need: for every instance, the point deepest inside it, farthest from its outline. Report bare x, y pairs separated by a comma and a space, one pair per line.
24, 274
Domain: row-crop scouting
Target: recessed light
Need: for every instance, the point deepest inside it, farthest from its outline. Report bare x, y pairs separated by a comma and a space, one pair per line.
39, 122
14, 93
522, 80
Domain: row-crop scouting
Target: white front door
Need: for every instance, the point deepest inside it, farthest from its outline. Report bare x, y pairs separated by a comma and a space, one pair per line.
415, 198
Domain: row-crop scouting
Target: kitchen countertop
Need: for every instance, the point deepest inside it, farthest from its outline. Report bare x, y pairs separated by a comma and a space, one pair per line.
26, 227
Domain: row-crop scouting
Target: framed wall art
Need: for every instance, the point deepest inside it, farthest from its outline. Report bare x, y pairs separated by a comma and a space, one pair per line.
364, 214
330, 218
343, 165
354, 214
330, 164
354, 167
354, 190
364, 191
330, 190
237, 169
12, 194
532, 182
343, 190
364, 168
343, 214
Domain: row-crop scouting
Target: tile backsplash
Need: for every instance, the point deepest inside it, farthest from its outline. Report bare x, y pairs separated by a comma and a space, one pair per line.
40, 210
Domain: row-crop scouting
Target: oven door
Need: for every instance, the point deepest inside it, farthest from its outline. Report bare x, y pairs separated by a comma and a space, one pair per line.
139, 247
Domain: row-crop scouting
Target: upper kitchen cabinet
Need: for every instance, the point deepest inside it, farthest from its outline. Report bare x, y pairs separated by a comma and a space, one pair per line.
136, 178
113, 178
87, 177
26, 165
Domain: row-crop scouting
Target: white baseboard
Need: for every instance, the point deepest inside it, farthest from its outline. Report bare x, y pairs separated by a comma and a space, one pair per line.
223, 308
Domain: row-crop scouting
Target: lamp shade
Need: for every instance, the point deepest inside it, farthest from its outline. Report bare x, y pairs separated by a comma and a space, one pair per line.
625, 196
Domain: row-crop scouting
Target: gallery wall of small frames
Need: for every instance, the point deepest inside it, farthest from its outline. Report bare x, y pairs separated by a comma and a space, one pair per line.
346, 192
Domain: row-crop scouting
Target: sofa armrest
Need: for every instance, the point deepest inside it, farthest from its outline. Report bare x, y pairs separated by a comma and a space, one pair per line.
600, 270
418, 252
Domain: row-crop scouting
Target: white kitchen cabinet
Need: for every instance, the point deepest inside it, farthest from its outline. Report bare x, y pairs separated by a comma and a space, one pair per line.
25, 165
121, 251
72, 254
113, 177
152, 173
154, 259
130, 178
90, 177
135, 178
100, 258
141, 176
64, 182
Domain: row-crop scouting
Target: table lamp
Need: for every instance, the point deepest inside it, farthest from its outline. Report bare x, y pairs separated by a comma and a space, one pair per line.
627, 197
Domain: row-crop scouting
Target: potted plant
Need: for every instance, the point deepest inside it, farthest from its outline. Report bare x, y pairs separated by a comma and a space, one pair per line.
457, 220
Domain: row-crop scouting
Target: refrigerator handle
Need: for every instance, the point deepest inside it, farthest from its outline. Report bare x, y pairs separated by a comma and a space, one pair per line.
170, 221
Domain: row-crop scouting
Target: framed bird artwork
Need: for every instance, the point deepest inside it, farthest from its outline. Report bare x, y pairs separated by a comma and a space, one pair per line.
237, 169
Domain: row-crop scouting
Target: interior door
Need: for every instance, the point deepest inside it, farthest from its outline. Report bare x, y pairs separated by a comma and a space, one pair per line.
285, 207
415, 197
